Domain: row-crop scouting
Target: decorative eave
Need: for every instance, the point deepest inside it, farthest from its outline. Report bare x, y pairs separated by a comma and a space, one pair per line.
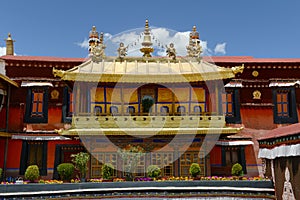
147, 72
8, 80
147, 131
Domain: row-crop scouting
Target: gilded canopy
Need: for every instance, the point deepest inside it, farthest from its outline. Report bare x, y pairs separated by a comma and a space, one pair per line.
153, 71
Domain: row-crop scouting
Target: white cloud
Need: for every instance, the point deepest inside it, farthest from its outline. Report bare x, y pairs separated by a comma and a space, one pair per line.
220, 48
161, 37
84, 44
2, 51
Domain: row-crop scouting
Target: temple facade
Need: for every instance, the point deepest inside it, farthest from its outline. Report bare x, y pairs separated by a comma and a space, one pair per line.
176, 110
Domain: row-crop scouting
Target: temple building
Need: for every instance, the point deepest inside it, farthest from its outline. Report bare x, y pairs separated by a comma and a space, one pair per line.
178, 110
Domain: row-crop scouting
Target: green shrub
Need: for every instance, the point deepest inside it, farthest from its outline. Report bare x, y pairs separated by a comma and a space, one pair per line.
32, 173
107, 170
237, 170
195, 169
65, 171
153, 171
1, 172
81, 163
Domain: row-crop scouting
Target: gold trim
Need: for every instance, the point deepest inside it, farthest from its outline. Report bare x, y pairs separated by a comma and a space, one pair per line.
5, 134
149, 72
5, 78
144, 131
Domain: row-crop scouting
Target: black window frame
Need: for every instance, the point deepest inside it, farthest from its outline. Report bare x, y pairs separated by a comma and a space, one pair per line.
66, 114
240, 151
29, 105
235, 116
292, 107
25, 154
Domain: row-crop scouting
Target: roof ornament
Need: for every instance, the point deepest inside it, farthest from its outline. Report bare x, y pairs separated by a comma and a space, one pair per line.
194, 48
238, 69
97, 49
122, 51
93, 37
171, 51
9, 45
147, 44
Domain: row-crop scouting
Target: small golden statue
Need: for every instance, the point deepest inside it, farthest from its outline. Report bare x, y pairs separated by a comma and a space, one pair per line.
97, 50
194, 48
122, 51
171, 52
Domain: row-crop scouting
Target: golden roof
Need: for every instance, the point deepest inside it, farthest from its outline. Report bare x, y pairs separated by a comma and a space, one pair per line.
147, 71
147, 131
8, 80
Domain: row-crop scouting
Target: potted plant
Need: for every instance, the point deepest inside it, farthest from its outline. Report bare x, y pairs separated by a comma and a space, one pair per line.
107, 171
81, 164
153, 171
195, 170
237, 170
65, 171
147, 103
32, 173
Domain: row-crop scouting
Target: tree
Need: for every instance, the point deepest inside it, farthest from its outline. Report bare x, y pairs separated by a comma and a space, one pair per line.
81, 160
131, 156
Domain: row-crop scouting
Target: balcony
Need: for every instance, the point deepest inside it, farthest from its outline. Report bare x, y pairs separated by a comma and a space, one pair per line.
145, 124
205, 120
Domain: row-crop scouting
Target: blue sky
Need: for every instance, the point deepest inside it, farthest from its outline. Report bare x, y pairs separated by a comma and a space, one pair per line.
259, 28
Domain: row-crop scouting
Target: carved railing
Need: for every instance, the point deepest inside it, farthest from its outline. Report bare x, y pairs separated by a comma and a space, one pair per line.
149, 121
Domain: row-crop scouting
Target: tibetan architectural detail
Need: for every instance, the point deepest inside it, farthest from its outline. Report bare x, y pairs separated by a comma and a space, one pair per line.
122, 51
9, 45
147, 44
96, 45
169, 105
171, 51
194, 48
238, 69
288, 193
149, 72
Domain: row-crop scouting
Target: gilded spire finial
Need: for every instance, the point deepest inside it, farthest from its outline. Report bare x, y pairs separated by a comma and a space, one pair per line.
147, 44
147, 24
96, 46
9, 45
194, 48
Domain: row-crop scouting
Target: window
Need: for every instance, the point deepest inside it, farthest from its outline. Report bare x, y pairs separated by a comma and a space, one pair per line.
34, 153
97, 110
113, 110
232, 155
197, 109
97, 161
181, 109
231, 106
164, 161
130, 110
285, 110
67, 108
187, 159
164, 110
37, 105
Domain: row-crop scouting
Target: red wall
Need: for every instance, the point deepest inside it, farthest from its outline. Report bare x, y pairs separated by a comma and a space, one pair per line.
257, 118
2, 149
215, 156
14, 153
